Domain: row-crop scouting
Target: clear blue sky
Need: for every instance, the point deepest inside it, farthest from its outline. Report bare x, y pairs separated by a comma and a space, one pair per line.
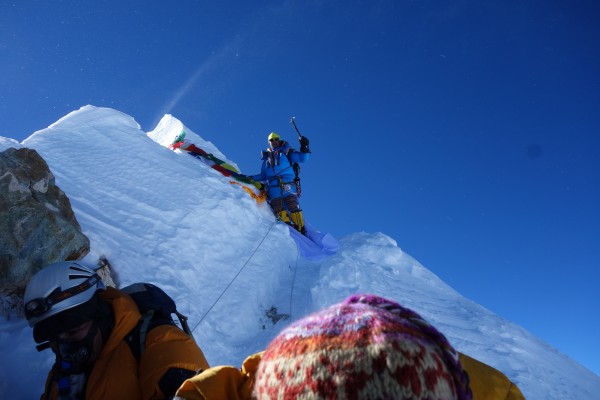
468, 131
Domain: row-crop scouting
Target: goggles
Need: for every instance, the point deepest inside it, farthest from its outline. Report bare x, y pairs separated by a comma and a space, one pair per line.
37, 307
274, 140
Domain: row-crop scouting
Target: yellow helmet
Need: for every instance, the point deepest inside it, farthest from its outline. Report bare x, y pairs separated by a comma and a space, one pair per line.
273, 136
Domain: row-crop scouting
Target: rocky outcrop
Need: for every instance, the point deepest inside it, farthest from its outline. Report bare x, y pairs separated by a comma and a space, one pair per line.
37, 225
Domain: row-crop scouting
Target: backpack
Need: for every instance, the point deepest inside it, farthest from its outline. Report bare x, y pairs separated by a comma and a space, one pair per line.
156, 308
295, 167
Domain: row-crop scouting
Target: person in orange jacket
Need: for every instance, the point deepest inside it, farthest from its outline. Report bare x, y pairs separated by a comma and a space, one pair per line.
366, 347
87, 325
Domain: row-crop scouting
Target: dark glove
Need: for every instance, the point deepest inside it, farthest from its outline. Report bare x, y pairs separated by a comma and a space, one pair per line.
304, 145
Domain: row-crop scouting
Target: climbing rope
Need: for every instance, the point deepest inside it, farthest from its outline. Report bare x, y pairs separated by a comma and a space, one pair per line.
293, 281
235, 277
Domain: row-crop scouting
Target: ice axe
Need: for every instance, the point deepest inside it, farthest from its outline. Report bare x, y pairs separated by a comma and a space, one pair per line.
293, 121
303, 140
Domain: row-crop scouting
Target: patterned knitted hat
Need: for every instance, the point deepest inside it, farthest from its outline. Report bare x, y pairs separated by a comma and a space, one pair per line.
366, 347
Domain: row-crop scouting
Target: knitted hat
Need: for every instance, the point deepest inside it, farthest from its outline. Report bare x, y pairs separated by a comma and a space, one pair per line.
366, 347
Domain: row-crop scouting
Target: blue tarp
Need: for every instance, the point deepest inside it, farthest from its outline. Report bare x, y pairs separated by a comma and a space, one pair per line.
315, 245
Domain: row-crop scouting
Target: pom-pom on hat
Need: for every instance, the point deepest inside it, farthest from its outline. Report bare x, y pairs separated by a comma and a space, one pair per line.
366, 347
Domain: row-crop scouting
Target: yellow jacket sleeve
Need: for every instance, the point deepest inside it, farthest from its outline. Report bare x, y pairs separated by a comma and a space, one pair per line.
488, 383
226, 382
223, 382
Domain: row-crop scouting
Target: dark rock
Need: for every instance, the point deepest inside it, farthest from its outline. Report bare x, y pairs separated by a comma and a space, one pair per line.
37, 225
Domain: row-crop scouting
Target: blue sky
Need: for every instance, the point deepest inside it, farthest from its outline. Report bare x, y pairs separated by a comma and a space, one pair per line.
467, 131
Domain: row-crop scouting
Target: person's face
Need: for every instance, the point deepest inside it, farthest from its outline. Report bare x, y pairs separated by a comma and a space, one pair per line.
82, 336
274, 142
76, 334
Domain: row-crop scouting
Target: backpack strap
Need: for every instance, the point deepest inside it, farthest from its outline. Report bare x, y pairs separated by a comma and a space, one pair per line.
136, 339
144, 328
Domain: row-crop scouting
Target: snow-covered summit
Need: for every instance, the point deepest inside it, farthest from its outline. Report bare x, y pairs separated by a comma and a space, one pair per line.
170, 127
166, 218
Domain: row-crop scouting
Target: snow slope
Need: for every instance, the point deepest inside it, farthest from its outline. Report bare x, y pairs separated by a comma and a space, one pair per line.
164, 217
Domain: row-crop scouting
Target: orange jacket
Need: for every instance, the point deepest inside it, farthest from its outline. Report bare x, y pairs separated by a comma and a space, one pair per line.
225, 382
116, 374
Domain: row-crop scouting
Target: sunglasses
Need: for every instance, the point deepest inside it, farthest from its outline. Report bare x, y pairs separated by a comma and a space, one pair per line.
37, 307
274, 140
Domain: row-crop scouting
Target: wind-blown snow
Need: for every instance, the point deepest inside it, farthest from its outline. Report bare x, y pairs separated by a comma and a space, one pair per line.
164, 217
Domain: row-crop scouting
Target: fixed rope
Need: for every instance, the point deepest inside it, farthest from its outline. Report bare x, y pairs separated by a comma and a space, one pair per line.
293, 282
235, 277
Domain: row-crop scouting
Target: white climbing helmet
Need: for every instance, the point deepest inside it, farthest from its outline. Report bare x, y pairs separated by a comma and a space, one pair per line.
59, 287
